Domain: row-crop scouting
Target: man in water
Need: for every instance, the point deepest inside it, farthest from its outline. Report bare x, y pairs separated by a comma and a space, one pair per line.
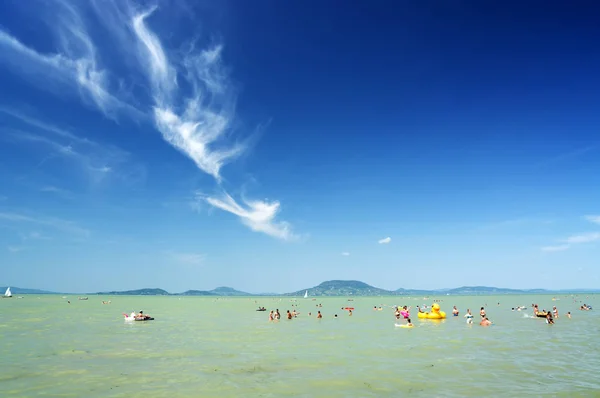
141, 315
485, 321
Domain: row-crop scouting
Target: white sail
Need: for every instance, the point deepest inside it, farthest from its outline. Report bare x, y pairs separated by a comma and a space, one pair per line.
306, 294
7, 293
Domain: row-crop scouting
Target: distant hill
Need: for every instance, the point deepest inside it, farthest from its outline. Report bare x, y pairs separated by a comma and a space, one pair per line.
470, 290
138, 292
19, 290
342, 288
196, 293
229, 291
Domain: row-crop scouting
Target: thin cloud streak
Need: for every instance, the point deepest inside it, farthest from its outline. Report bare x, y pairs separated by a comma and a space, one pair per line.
15, 249
584, 238
56, 223
557, 248
345, 254
593, 219
187, 258
64, 193
259, 216
65, 68
573, 240
385, 241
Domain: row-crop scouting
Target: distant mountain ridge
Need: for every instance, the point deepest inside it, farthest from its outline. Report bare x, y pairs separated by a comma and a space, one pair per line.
20, 290
330, 288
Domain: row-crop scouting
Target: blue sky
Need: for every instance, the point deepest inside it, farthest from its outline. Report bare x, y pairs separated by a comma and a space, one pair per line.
272, 145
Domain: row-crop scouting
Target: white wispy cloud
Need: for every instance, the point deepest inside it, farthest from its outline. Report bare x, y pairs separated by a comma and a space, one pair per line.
573, 240
192, 102
34, 235
345, 253
556, 248
197, 123
593, 219
96, 160
193, 124
66, 226
65, 193
186, 258
384, 240
583, 238
259, 216
15, 249
73, 64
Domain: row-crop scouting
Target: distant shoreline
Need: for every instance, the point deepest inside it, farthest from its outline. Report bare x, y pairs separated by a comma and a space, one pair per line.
333, 288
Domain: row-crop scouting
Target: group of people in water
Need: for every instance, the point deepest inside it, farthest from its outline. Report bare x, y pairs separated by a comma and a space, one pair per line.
403, 312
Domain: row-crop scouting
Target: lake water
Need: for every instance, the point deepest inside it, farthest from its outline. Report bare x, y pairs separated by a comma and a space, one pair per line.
208, 347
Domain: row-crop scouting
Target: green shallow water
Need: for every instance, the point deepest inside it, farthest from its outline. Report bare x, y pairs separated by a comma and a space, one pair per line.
208, 347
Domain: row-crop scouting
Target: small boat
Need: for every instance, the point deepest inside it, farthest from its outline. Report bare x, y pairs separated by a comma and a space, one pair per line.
82, 298
134, 318
306, 294
8, 293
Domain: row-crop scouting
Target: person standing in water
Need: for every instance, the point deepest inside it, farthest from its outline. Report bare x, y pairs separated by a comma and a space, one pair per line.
482, 312
469, 316
455, 311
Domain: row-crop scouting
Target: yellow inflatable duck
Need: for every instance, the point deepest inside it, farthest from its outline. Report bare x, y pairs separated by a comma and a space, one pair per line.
434, 314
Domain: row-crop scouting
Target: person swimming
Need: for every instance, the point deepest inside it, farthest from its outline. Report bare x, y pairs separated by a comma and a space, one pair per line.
549, 319
455, 311
485, 321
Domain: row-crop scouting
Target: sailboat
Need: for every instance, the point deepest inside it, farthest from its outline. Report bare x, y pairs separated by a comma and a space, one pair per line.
306, 294
7, 294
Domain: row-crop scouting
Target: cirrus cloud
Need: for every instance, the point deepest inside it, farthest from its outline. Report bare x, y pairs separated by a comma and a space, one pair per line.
384, 240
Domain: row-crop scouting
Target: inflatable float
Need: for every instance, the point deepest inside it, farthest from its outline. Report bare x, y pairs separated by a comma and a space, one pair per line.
541, 314
404, 326
434, 314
